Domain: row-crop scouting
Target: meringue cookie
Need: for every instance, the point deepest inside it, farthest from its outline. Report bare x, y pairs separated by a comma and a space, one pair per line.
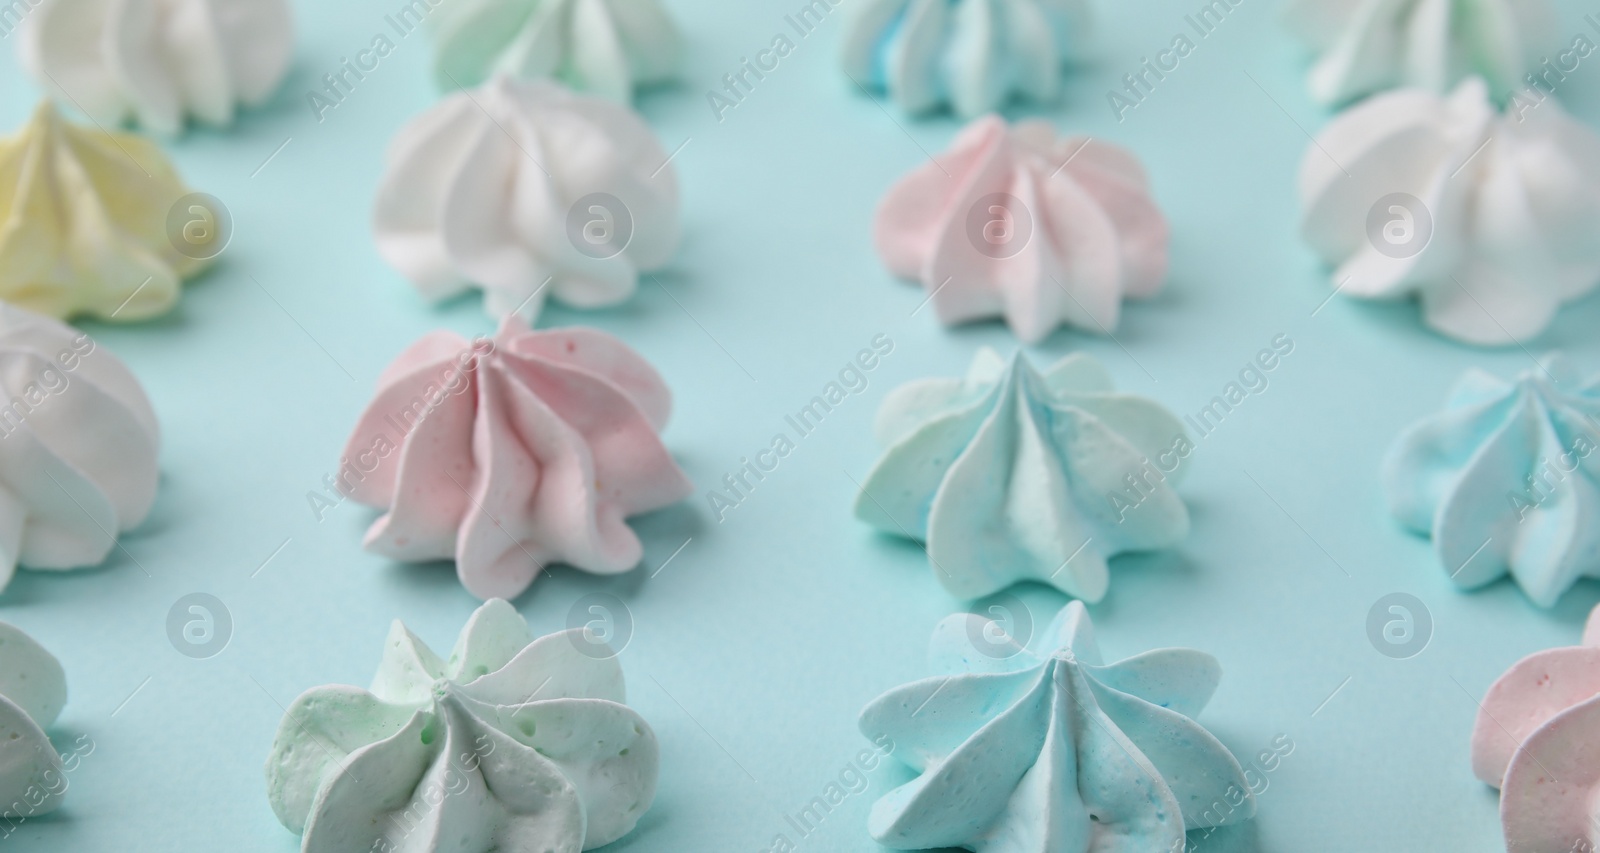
526, 190
1492, 221
514, 453
1013, 475
972, 55
1016, 223
158, 62
514, 743
1367, 46
83, 222
1506, 481
1021, 751
33, 690
1537, 739
604, 47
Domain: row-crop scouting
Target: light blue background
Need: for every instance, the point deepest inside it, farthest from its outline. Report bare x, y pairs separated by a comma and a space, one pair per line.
757, 646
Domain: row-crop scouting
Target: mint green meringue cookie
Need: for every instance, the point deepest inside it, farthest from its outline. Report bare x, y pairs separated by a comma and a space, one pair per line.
1013, 475
970, 55
511, 744
1506, 480
602, 47
1050, 750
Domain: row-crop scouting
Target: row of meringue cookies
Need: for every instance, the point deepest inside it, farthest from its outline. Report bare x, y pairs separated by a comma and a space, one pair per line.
506, 453
1003, 474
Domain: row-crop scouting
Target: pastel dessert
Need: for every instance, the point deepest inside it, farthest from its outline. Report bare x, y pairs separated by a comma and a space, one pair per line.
158, 63
1024, 750
33, 690
1012, 474
1537, 738
602, 47
79, 441
972, 56
528, 191
512, 453
1490, 220
1505, 481
1367, 46
83, 217
512, 743
1018, 223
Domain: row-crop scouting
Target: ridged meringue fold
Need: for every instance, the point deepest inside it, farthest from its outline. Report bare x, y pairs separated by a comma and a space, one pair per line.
603, 47
1491, 220
1506, 481
1537, 739
527, 190
83, 222
1014, 222
973, 56
1367, 46
33, 690
1049, 750
158, 62
78, 447
1014, 475
513, 453
513, 743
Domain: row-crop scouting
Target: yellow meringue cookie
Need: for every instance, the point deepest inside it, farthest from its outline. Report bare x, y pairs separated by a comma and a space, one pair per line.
84, 222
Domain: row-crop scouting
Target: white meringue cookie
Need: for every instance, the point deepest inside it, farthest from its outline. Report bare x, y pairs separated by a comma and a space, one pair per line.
1491, 220
158, 61
527, 190
33, 690
1367, 46
604, 47
513, 744
78, 443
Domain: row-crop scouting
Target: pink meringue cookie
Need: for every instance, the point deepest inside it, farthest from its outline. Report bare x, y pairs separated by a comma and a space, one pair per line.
514, 453
1537, 739
1017, 223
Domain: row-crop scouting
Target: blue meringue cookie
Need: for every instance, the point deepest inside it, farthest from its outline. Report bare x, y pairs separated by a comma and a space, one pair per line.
1052, 751
1506, 480
972, 55
1012, 475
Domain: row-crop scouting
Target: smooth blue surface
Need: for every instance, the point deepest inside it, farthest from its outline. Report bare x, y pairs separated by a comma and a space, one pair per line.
754, 650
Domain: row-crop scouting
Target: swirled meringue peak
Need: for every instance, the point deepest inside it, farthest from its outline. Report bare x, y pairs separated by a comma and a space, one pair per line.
603, 47
33, 690
1014, 475
78, 446
1506, 481
1367, 46
511, 744
158, 62
1033, 750
973, 56
1490, 220
513, 453
527, 190
1537, 739
83, 218
1014, 222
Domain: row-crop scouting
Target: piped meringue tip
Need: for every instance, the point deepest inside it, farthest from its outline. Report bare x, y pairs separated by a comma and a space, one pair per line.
1490, 220
1506, 481
1537, 739
528, 191
158, 63
972, 56
1021, 750
1016, 222
512, 453
1012, 474
511, 743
